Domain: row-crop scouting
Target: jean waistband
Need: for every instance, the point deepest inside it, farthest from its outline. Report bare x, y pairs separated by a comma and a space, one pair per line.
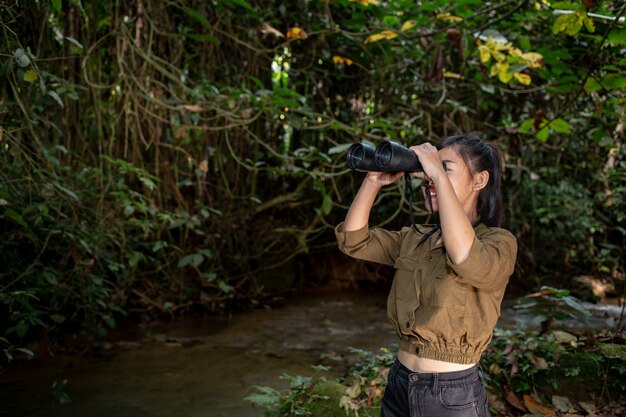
442, 378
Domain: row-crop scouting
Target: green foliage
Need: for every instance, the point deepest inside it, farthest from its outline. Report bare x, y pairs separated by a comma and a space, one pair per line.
555, 362
554, 304
359, 393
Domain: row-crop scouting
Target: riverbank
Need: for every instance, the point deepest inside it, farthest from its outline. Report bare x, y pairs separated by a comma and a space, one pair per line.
206, 366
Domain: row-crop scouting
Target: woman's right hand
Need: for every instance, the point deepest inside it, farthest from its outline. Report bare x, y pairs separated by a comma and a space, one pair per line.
380, 179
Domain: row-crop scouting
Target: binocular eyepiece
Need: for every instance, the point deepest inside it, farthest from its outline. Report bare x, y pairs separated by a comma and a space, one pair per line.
387, 157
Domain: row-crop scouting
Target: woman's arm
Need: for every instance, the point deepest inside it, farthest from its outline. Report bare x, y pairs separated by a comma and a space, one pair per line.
456, 227
359, 212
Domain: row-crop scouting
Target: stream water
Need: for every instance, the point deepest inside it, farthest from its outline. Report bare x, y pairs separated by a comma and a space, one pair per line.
207, 366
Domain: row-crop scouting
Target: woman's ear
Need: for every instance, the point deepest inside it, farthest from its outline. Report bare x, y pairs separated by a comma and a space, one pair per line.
480, 180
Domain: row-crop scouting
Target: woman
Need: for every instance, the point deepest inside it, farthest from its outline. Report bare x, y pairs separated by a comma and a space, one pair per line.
450, 278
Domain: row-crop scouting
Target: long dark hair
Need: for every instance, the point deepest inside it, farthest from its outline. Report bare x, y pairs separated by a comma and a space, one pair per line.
479, 156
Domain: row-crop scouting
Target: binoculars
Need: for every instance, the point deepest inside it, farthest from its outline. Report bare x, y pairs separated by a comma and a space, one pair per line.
387, 157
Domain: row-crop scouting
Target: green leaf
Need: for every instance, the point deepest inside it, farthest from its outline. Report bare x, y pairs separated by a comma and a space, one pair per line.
57, 318
110, 321
57, 5
22, 328
390, 21
564, 5
244, 4
614, 81
74, 42
543, 134
198, 16
327, 204
56, 98
577, 305
25, 351
591, 85
16, 217
526, 125
339, 148
66, 191
617, 36
224, 287
560, 126
128, 211
257, 81
194, 259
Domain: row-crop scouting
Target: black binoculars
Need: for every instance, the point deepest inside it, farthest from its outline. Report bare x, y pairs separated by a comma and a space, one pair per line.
387, 157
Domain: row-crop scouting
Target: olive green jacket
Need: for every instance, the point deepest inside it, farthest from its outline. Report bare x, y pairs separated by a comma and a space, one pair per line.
440, 310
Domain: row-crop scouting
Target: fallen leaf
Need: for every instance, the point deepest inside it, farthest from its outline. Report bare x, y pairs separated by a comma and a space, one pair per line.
540, 363
512, 399
563, 337
495, 402
536, 407
588, 406
563, 404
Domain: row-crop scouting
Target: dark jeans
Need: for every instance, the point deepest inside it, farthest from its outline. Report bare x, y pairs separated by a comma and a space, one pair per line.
447, 394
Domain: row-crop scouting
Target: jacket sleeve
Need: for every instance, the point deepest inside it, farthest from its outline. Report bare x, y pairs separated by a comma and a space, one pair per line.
491, 261
376, 245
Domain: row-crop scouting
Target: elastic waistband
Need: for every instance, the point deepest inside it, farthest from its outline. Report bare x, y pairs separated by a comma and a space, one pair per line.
442, 378
415, 347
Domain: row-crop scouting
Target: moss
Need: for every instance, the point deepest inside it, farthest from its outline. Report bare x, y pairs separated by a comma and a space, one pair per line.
613, 350
325, 398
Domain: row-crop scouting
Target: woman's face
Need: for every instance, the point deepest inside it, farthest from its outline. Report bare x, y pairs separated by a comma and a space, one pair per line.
462, 181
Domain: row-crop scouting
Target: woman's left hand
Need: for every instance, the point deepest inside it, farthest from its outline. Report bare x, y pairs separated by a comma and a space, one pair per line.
430, 159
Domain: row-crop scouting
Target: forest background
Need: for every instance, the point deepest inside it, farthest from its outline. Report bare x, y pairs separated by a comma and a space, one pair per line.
162, 157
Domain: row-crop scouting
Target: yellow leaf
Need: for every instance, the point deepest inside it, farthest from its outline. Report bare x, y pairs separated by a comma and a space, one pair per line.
496, 68
505, 76
516, 52
296, 33
533, 59
31, 76
365, 2
497, 46
342, 60
448, 16
385, 34
408, 25
502, 69
449, 74
485, 55
522, 78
